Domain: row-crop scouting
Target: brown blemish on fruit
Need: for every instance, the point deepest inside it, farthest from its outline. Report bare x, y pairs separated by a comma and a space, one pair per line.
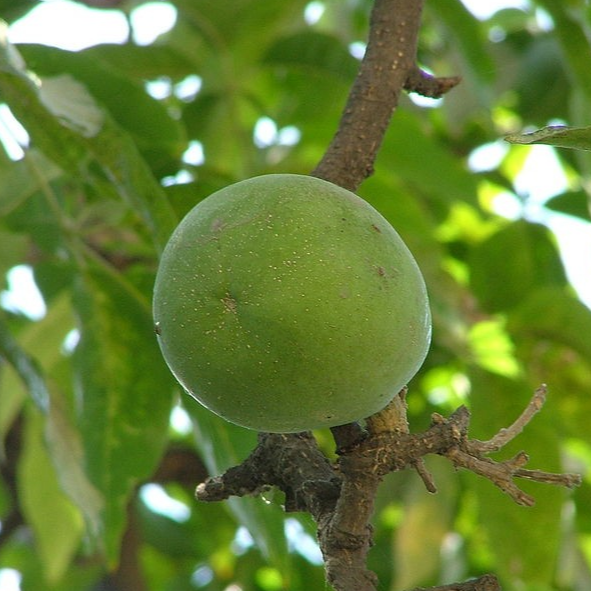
157, 328
229, 303
376, 228
217, 224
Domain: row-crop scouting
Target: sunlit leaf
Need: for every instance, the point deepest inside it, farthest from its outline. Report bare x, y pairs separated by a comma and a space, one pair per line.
56, 522
70, 102
578, 138
39, 348
511, 263
62, 438
492, 348
555, 315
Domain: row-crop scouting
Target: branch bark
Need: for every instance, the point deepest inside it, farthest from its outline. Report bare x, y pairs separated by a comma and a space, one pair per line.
340, 497
484, 583
388, 67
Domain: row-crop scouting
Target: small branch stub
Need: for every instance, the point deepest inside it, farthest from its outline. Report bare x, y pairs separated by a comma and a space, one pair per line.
429, 86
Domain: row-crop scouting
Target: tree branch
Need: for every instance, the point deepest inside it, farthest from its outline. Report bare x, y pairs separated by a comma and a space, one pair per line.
390, 55
388, 67
340, 497
504, 436
484, 583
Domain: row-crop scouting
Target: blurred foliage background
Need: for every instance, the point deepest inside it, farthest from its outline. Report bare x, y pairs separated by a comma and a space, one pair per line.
101, 452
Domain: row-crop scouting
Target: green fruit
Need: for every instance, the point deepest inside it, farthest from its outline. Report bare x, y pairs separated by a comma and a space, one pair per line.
285, 303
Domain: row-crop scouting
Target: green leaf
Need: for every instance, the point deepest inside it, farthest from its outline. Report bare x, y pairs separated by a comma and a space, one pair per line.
492, 348
426, 522
107, 144
551, 328
516, 260
124, 389
141, 63
423, 163
577, 138
524, 540
69, 101
13, 249
57, 524
257, 20
12, 10
572, 36
130, 106
553, 314
26, 367
313, 50
35, 352
182, 539
19, 180
541, 80
470, 36
573, 203
63, 440
65, 448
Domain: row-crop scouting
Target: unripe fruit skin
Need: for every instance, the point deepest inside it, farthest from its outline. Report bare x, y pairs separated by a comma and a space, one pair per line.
285, 303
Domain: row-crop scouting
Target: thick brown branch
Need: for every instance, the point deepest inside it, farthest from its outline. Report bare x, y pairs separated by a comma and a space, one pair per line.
293, 463
389, 58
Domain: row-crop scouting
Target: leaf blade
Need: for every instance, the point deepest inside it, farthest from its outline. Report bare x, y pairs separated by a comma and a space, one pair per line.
125, 394
560, 136
105, 142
